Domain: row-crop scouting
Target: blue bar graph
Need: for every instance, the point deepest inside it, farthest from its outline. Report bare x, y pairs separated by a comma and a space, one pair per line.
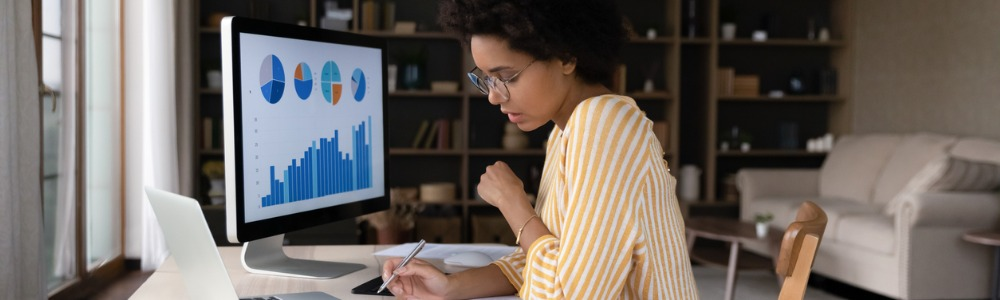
323, 169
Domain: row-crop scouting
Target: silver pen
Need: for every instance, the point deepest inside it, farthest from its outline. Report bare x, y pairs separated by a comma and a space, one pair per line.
406, 260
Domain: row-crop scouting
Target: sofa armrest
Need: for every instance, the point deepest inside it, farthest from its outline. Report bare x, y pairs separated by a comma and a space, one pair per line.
757, 183
964, 210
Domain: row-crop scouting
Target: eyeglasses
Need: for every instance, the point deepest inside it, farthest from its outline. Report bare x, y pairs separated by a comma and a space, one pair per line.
487, 83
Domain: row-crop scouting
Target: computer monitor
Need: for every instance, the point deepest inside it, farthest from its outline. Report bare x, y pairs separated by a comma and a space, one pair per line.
304, 120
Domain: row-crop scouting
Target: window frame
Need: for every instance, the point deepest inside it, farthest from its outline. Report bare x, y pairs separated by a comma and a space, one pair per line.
86, 281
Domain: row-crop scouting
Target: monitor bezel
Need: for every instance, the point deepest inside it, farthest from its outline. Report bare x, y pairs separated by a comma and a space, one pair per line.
238, 230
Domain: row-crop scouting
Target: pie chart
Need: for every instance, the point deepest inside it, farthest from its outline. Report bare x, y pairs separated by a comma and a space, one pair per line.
329, 82
272, 79
358, 85
303, 81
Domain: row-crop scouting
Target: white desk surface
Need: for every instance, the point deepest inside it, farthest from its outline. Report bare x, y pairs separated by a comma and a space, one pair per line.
166, 282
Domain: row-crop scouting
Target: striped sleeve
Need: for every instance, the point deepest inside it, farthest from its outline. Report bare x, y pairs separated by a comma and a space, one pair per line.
512, 265
591, 259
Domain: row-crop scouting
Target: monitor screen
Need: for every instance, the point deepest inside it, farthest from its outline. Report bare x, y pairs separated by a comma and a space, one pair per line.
305, 130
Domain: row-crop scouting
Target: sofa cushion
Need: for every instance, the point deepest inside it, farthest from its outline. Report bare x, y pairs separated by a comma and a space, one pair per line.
949, 174
871, 231
853, 166
977, 149
912, 154
784, 209
960, 175
837, 210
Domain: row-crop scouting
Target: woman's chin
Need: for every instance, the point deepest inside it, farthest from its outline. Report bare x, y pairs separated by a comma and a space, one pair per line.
527, 126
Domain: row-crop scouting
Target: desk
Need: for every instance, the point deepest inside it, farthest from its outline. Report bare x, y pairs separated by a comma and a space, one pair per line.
166, 282
990, 238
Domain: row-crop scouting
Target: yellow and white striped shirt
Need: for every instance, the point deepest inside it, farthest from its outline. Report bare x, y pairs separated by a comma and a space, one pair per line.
608, 199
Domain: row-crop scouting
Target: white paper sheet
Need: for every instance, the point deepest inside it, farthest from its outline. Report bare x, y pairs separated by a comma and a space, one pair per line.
442, 251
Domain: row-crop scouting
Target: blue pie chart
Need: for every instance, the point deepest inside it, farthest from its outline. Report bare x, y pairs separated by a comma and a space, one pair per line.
303, 81
358, 84
272, 79
329, 82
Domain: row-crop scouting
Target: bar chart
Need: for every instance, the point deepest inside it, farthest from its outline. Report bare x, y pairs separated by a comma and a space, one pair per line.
324, 169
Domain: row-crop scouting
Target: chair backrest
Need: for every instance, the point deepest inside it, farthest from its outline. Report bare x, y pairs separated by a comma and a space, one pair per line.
798, 248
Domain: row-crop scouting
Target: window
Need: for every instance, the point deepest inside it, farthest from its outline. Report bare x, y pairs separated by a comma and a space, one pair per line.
82, 137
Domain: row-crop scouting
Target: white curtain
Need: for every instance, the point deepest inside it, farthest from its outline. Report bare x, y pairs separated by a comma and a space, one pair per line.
64, 250
20, 157
151, 122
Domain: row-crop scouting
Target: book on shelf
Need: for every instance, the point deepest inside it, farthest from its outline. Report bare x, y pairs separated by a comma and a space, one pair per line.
206, 133
369, 15
444, 134
456, 134
431, 135
725, 81
440, 134
388, 15
421, 132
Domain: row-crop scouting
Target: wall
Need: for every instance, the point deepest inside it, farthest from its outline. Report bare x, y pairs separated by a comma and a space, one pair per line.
927, 65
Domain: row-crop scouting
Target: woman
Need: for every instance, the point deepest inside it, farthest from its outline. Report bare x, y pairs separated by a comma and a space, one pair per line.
607, 224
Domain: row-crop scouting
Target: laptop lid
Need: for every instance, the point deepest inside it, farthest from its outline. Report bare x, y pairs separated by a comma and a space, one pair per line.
191, 244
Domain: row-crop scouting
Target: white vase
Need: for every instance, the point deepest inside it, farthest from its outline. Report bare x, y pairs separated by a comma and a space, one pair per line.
728, 31
690, 183
761, 230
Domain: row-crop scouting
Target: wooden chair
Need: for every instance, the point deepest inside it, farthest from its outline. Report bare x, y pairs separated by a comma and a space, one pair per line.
798, 249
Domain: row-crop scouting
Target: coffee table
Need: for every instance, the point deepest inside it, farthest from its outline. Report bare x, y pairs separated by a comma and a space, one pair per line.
988, 237
736, 233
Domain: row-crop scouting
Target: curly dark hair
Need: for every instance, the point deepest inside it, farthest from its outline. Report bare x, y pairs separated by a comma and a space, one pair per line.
590, 31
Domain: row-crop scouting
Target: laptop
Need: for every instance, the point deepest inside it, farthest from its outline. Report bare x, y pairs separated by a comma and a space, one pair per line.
194, 250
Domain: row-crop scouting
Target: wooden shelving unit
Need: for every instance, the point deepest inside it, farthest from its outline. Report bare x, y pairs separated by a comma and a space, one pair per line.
682, 68
787, 51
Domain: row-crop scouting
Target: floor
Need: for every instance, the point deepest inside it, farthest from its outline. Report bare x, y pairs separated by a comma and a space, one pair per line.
123, 287
750, 285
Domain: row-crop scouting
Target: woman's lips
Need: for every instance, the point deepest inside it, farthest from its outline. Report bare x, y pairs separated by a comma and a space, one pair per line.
514, 117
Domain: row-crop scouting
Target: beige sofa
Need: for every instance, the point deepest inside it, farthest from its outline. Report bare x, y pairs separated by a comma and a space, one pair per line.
898, 205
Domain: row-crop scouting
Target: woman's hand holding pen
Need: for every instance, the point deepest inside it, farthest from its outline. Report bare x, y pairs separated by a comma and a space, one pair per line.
501, 188
417, 280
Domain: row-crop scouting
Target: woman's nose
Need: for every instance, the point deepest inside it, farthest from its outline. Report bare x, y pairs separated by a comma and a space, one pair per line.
495, 98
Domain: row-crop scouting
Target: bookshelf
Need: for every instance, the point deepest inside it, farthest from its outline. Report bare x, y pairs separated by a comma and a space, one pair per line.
683, 95
792, 50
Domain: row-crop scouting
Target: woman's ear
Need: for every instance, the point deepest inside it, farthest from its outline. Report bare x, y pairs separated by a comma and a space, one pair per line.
568, 65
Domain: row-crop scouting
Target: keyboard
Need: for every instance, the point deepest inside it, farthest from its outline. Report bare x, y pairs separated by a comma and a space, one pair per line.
371, 288
262, 298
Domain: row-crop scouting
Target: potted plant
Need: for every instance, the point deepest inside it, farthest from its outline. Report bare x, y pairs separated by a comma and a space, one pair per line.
215, 170
393, 225
762, 220
745, 140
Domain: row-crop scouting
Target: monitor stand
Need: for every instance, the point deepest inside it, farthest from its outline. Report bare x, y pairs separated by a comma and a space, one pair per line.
266, 256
